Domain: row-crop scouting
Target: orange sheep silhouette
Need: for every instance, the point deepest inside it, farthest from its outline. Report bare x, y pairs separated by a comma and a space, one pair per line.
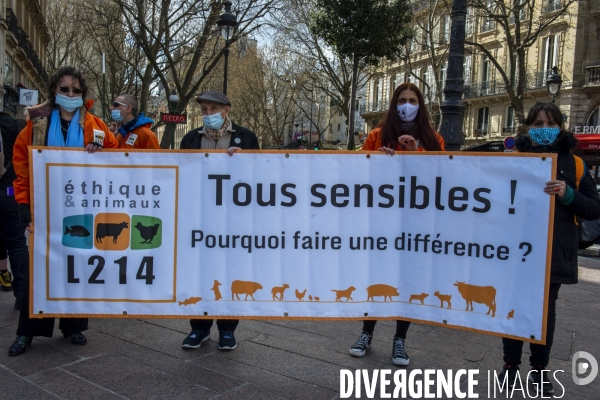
511, 314
339, 294
381, 290
300, 295
478, 294
420, 297
215, 289
444, 298
244, 287
277, 291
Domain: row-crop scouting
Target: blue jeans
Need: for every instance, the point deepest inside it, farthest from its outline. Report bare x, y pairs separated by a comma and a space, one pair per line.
13, 236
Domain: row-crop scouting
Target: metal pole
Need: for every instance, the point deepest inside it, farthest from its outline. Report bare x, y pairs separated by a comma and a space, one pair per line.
453, 107
312, 97
226, 54
104, 86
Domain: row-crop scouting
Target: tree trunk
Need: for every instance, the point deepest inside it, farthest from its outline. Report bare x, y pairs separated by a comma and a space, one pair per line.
352, 101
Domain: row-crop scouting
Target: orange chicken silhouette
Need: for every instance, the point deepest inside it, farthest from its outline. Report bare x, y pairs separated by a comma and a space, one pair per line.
300, 295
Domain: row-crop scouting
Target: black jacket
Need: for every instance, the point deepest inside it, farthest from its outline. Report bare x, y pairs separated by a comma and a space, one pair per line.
10, 128
585, 204
242, 138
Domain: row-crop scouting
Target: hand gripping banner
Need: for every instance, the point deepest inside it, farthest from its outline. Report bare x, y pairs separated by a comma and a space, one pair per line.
458, 240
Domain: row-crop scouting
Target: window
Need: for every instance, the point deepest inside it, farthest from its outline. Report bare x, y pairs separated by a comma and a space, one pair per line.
483, 115
593, 119
445, 39
551, 5
443, 69
340, 112
400, 80
509, 126
339, 127
488, 24
376, 92
550, 48
486, 69
425, 37
469, 23
467, 70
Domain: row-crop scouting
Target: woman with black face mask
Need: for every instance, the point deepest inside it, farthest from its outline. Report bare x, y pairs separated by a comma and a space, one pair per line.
406, 127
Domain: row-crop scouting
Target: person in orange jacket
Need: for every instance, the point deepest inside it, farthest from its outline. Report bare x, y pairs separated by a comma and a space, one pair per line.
131, 129
63, 121
406, 127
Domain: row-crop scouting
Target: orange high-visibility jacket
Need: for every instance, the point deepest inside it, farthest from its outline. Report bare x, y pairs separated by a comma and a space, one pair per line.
39, 130
373, 141
144, 139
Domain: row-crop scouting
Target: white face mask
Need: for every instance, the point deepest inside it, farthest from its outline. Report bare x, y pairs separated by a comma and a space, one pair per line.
407, 112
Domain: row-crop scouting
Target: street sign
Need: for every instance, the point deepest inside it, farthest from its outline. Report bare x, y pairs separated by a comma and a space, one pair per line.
173, 118
509, 143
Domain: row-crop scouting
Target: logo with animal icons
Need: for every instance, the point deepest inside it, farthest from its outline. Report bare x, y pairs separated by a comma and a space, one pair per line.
215, 289
244, 287
381, 290
191, 300
146, 233
77, 231
444, 298
300, 295
277, 292
112, 231
478, 294
421, 297
340, 294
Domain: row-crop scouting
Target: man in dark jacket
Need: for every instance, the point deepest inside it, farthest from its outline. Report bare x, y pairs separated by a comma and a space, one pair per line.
218, 132
12, 233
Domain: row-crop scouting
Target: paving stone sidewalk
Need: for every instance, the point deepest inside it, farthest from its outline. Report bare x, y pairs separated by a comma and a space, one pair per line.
142, 359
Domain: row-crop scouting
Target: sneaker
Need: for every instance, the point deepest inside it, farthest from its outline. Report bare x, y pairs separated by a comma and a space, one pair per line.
6, 281
538, 376
19, 346
195, 339
227, 340
76, 338
362, 344
510, 370
399, 356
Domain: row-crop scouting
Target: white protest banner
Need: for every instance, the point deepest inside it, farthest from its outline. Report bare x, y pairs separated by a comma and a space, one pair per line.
28, 97
455, 239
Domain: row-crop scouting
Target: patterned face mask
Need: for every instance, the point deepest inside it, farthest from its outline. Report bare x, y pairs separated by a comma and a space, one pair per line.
543, 136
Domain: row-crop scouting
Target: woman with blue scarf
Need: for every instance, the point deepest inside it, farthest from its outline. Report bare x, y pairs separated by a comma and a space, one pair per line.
63, 121
576, 196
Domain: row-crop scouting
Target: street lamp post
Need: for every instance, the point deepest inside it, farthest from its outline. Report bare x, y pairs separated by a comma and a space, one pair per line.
227, 23
172, 104
453, 106
553, 82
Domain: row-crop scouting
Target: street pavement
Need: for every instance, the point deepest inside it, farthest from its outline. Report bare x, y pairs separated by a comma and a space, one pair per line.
142, 359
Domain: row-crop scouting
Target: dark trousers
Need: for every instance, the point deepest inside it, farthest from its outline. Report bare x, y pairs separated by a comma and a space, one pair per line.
43, 326
13, 236
206, 324
540, 353
401, 327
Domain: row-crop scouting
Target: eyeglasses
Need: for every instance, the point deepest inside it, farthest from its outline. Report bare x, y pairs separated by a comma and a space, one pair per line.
64, 89
117, 104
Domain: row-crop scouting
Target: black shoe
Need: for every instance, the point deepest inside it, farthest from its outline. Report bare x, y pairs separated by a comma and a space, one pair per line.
363, 344
511, 370
227, 340
538, 376
19, 346
195, 339
76, 338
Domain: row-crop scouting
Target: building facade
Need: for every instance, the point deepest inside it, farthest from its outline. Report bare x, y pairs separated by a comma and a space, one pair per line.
23, 41
571, 42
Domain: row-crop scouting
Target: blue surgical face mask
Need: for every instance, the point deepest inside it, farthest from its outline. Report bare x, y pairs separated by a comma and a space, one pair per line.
214, 121
544, 136
116, 116
69, 104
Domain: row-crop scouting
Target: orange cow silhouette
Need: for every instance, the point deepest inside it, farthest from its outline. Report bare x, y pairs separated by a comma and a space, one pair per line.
244, 287
444, 298
215, 289
300, 295
277, 291
478, 294
381, 290
340, 294
511, 314
420, 297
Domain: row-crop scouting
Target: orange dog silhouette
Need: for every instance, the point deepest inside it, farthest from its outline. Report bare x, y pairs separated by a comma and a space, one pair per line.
215, 289
300, 295
277, 291
340, 294
478, 294
381, 290
420, 297
511, 314
444, 298
244, 287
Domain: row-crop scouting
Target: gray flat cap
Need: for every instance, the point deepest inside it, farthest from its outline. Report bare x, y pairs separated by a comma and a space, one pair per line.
213, 96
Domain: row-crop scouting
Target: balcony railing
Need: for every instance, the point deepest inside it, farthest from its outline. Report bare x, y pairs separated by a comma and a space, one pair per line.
373, 106
22, 39
551, 6
535, 80
508, 129
487, 25
593, 75
11, 21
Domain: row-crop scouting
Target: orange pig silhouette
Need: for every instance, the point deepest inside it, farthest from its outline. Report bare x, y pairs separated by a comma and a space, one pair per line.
381, 290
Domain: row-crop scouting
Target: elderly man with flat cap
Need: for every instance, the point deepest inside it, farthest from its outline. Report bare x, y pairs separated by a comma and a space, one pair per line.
218, 132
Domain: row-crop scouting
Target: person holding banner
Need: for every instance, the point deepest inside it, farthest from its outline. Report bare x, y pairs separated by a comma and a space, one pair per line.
218, 132
576, 196
63, 121
406, 127
131, 129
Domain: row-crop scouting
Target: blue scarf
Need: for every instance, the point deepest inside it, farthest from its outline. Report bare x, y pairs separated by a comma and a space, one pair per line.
74, 134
